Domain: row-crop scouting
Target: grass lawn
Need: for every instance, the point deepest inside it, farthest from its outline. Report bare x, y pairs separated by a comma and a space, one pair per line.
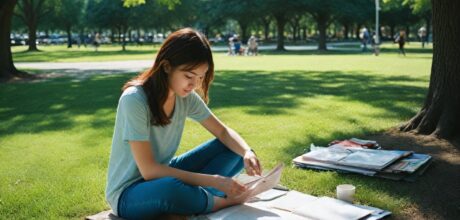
60, 53
55, 135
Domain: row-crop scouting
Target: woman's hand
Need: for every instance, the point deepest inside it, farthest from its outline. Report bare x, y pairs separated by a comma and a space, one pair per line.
251, 163
230, 187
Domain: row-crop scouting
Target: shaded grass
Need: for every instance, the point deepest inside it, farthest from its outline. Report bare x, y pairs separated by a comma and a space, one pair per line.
55, 136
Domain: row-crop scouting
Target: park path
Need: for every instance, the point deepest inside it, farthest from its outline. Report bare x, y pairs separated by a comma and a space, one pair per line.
82, 70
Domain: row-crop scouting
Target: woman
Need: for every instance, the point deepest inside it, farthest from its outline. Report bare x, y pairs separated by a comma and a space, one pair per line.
401, 40
144, 180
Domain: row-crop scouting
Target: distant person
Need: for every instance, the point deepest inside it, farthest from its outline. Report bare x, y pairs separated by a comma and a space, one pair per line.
364, 35
252, 46
79, 40
97, 41
237, 46
401, 41
231, 46
145, 180
422, 36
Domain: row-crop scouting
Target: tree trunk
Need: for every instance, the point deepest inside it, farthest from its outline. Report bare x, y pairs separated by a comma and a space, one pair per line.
407, 33
123, 40
428, 27
112, 35
358, 26
7, 68
69, 36
30, 17
266, 28
280, 23
321, 20
32, 35
304, 33
244, 28
346, 29
440, 114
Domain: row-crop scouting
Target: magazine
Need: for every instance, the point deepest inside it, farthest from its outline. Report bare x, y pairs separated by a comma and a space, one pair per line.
361, 158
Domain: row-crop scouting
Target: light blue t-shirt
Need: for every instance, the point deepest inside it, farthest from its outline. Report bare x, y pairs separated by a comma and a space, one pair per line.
133, 124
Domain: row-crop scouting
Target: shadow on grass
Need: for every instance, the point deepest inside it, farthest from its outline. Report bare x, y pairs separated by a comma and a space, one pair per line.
275, 92
52, 105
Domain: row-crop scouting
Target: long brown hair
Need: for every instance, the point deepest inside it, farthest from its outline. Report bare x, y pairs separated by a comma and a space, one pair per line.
183, 47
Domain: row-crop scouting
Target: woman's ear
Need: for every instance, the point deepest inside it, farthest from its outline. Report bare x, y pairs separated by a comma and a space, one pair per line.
167, 67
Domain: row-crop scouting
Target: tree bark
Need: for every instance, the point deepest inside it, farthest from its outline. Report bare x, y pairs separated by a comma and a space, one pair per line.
266, 23
358, 27
428, 28
321, 21
32, 35
244, 31
7, 68
304, 33
440, 114
280, 23
407, 33
30, 15
69, 36
346, 29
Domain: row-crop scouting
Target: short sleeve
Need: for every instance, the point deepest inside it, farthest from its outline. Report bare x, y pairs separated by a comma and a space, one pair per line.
196, 108
134, 113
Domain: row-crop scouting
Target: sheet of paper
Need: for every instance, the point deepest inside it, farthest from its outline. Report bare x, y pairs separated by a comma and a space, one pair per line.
269, 195
330, 208
266, 182
292, 200
260, 210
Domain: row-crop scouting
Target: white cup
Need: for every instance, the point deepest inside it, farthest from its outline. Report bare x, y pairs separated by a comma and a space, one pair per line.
345, 192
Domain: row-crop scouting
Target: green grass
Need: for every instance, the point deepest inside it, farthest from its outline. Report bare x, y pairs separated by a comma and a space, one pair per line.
55, 135
83, 54
61, 53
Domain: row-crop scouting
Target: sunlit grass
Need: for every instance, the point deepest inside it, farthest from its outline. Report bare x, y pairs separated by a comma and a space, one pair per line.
60, 53
55, 135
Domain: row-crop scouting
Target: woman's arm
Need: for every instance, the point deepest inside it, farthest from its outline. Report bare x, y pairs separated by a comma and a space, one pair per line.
150, 169
234, 142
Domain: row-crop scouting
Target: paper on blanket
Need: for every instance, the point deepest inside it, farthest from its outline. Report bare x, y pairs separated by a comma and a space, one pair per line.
292, 200
330, 208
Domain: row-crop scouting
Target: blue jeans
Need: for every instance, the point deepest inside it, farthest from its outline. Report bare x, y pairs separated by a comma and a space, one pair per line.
149, 199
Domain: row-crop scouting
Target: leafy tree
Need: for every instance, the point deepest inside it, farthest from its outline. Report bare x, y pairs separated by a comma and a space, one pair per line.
101, 15
282, 11
243, 11
423, 9
266, 21
68, 14
323, 11
31, 12
354, 12
396, 13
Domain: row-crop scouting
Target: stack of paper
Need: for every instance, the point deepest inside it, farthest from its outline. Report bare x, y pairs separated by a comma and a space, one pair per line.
391, 164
